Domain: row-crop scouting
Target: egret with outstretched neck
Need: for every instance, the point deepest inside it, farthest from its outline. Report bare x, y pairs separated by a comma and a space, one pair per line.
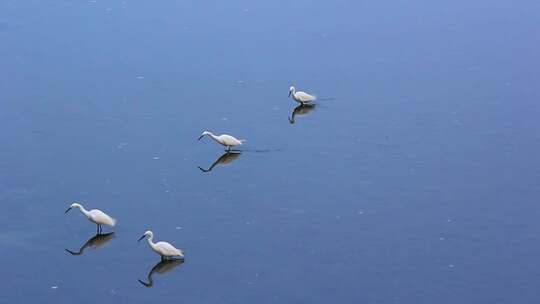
301, 97
164, 249
224, 139
95, 216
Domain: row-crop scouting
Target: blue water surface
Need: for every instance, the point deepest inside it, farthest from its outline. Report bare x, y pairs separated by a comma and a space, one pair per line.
414, 179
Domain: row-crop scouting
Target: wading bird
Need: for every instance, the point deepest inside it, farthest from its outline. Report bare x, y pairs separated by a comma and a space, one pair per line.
95, 216
301, 97
224, 139
164, 249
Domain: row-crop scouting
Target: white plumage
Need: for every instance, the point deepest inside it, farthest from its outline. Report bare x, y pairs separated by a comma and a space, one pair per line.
96, 216
224, 139
164, 249
301, 97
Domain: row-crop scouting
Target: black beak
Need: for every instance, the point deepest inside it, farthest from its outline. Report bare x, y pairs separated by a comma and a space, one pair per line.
142, 237
289, 93
67, 210
200, 137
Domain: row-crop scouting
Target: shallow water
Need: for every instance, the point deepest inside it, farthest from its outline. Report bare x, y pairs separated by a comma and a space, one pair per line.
413, 179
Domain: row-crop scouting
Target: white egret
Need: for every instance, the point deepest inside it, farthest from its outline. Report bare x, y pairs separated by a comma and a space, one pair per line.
164, 249
301, 97
224, 139
95, 216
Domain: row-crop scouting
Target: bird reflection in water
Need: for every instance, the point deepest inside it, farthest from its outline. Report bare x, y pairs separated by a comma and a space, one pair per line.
225, 159
301, 110
162, 267
94, 242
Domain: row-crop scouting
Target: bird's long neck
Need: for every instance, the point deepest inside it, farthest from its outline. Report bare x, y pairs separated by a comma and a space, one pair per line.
84, 211
214, 137
150, 241
293, 91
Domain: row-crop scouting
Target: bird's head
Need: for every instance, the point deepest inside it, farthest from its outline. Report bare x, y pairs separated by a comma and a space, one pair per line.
291, 90
203, 134
74, 205
147, 233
